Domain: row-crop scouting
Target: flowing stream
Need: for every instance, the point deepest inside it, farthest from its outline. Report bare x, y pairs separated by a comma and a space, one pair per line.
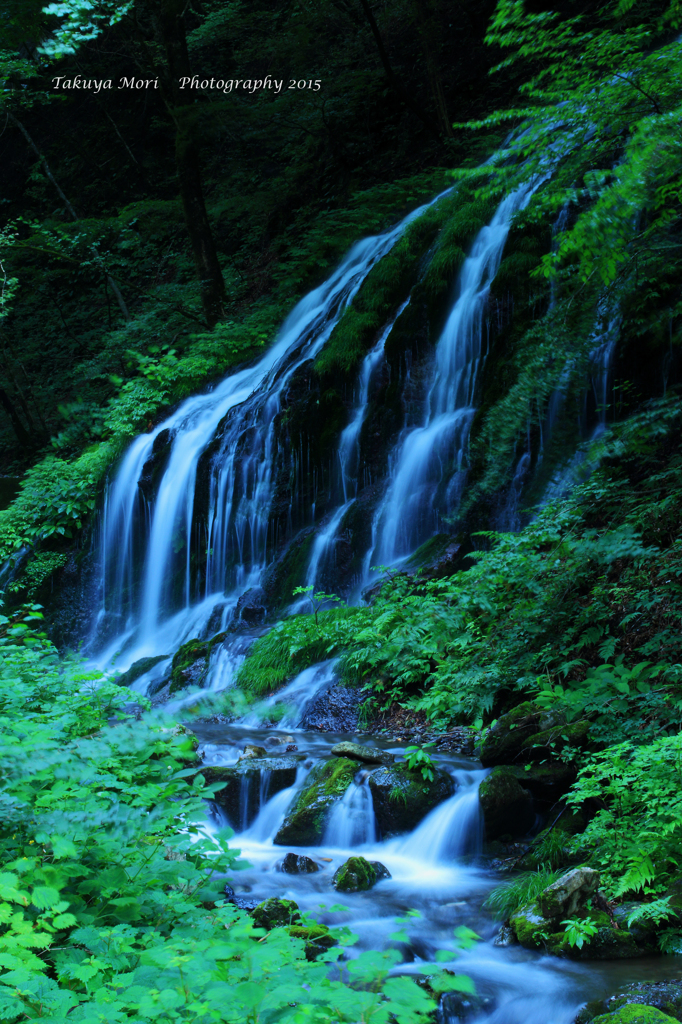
436, 870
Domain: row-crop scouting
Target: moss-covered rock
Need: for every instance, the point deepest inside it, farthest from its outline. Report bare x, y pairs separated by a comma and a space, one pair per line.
547, 781
507, 807
317, 938
509, 739
276, 913
305, 823
355, 875
240, 797
665, 996
635, 1015
563, 898
402, 797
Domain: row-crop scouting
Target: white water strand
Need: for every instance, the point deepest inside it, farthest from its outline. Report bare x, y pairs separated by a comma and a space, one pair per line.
294, 698
352, 822
272, 814
451, 829
349, 454
148, 543
428, 465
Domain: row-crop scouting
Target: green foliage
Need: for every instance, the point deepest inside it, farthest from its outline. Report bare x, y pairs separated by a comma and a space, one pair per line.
636, 837
109, 898
580, 931
418, 759
504, 900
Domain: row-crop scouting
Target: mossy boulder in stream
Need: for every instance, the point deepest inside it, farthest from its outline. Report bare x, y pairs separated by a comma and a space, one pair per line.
358, 875
635, 1015
305, 823
507, 807
277, 913
402, 798
664, 996
249, 781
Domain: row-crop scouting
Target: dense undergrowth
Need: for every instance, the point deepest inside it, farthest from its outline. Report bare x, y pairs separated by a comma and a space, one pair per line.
111, 895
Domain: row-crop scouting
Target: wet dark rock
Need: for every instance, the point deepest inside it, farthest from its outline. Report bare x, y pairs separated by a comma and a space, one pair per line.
355, 875
402, 798
290, 748
288, 570
153, 469
306, 821
457, 1006
358, 752
276, 913
380, 870
247, 903
252, 606
665, 996
228, 890
507, 807
240, 798
505, 937
139, 668
527, 732
335, 710
298, 864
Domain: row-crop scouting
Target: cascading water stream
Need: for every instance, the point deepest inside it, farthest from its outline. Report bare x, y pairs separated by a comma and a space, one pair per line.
289, 704
427, 466
454, 828
352, 822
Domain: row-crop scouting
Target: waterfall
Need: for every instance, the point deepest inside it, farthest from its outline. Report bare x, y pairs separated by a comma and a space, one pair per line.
155, 532
292, 701
272, 814
352, 822
428, 464
453, 828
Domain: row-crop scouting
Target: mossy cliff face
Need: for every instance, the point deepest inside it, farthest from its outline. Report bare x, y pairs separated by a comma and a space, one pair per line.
635, 1015
402, 798
305, 823
190, 662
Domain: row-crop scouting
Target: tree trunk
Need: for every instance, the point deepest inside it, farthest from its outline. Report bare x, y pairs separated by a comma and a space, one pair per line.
169, 25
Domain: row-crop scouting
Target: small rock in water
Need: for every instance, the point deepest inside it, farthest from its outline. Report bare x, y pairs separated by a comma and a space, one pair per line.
298, 864
457, 1006
228, 890
359, 752
292, 746
505, 937
252, 750
358, 875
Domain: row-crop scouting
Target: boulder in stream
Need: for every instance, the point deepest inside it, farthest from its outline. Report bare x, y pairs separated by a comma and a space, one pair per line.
306, 821
664, 996
358, 874
507, 807
252, 750
635, 1015
298, 864
276, 913
249, 782
359, 752
402, 797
